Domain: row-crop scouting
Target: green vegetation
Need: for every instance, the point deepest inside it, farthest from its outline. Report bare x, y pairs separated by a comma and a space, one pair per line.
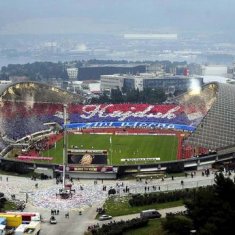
8, 206
210, 211
133, 146
16, 168
175, 175
117, 206
37, 71
3, 172
177, 224
161, 197
148, 95
117, 228
154, 227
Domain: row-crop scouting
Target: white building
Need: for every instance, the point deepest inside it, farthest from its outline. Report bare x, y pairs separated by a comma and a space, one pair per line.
214, 70
5, 82
151, 36
109, 82
72, 73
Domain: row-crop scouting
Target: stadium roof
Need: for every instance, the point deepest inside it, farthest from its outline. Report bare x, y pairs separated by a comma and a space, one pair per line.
38, 92
217, 128
3, 87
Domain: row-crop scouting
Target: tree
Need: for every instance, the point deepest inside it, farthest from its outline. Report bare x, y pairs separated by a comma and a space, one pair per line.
18, 167
213, 210
116, 96
177, 225
210, 212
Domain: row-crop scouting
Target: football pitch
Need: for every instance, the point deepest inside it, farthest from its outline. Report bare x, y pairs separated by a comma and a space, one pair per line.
120, 147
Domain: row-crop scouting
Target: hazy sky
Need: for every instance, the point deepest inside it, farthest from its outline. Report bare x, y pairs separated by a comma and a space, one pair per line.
115, 16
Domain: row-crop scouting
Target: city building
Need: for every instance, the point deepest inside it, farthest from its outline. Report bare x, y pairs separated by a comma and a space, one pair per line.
214, 70
72, 73
114, 81
149, 80
5, 82
181, 83
151, 36
92, 86
231, 71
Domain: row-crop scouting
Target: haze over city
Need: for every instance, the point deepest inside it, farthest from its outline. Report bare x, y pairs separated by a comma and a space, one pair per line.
117, 16
117, 117
33, 30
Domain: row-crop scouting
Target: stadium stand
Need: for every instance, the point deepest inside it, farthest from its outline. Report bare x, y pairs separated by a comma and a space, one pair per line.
128, 113
25, 108
37, 92
216, 130
19, 120
3, 144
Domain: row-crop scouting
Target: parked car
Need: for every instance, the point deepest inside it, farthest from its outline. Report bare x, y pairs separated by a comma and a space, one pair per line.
105, 217
150, 214
53, 220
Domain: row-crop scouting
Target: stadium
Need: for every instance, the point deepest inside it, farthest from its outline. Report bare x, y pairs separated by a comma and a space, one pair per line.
195, 130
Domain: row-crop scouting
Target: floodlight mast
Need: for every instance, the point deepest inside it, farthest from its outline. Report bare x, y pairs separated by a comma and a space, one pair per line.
65, 147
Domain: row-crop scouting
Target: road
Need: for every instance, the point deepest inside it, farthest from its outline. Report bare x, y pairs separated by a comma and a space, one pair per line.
75, 224
163, 212
78, 224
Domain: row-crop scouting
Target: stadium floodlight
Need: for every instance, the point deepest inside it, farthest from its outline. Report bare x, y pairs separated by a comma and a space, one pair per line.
195, 87
65, 145
65, 192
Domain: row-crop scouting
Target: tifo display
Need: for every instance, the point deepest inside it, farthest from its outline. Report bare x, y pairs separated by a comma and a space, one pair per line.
19, 119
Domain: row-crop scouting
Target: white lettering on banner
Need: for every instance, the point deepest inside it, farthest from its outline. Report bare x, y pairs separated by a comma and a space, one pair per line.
140, 159
107, 124
89, 124
90, 111
143, 124
97, 124
125, 124
171, 126
129, 124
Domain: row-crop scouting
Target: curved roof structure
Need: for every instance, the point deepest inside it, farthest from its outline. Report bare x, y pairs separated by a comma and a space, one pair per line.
217, 129
3, 87
37, 92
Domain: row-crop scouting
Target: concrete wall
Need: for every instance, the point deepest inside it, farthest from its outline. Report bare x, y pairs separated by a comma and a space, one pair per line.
89, 175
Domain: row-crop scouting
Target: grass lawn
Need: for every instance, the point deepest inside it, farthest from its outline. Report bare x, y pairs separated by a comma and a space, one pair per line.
8, 206
154, 227
16, 174
164, 147
117, 206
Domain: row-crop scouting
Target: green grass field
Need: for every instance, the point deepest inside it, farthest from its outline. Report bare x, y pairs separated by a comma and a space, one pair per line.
131, 146
117, 206
154, 227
